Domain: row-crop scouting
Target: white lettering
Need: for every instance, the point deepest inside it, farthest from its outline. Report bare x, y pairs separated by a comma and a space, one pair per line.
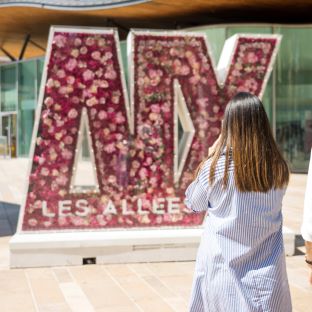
83, 207
45, 211
173, 204
64, 207
110, 208
140, 208
124, 207
158, 206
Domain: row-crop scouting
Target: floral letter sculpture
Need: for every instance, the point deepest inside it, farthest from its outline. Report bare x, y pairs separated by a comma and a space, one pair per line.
144, 153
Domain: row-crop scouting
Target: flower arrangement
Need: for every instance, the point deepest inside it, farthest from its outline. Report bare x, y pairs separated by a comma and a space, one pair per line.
134, 171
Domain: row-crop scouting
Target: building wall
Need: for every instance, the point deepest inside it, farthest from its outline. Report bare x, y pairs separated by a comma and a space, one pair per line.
287, 99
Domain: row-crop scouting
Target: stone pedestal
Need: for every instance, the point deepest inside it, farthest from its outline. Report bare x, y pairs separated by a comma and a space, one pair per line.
114, 246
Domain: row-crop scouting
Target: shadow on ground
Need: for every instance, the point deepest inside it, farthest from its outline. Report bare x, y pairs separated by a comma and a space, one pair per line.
299, 242
8, 218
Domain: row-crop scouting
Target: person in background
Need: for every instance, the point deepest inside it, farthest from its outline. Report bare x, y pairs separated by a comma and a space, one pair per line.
306, 228
240, 264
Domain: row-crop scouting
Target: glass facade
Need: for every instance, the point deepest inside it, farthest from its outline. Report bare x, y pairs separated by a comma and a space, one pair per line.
287, 97
8, 88
18, 93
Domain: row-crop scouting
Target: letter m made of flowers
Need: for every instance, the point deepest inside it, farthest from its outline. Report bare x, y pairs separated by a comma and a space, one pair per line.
145, 149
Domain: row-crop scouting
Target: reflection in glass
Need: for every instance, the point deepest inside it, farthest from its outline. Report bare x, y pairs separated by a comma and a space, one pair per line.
294, 96
8, 88
26, 104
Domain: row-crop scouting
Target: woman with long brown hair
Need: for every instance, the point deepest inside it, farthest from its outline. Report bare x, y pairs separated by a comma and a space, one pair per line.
240, 263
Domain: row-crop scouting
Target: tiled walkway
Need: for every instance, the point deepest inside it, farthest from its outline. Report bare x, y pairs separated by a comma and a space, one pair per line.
147, 287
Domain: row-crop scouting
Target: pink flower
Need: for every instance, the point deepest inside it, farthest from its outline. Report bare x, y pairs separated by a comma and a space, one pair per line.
110, 148
75, 100
57, 107
56, 84
143, 173
71, 65
120, 118
251, 85
83, 50
92, 101
32, 222
148, 161
101, 42
44, 171
115, 99
252, 57
70, 80
61, 180
48, 101
101, 220
72, 114
152, 73
52, 154
90, 41
61, 73
103, 84
153, 181
47, 223
60, 41
68, 140
75, 53
194, 79
108, 55
102, 115
202, 102
102, 100
96, 55
58, 135
112, 179
110, 74
153, 116
87, 75
185, 70
50, 83
64, 169
216, 108
67, 154
136, 164
78, 221
77, 42
62, 90
62, 221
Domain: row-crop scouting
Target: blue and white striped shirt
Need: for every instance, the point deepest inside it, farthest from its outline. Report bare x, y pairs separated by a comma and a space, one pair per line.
240, 264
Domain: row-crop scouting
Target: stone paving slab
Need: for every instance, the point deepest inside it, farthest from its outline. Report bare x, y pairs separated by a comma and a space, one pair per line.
141, 287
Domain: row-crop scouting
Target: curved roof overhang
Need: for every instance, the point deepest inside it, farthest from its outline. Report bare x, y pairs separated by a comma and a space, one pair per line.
71, 4
28, 21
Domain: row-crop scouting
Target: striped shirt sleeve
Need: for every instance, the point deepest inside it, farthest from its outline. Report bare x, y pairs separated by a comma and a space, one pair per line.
197, 193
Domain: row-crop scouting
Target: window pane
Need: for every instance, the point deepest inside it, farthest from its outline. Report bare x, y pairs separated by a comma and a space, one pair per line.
27, 104
8, 88
294, 96
40, 63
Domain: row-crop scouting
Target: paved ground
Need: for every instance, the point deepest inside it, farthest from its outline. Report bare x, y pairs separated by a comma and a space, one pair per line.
148, 287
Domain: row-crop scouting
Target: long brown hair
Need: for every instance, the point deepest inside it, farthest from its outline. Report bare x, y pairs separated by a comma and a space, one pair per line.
246, 135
